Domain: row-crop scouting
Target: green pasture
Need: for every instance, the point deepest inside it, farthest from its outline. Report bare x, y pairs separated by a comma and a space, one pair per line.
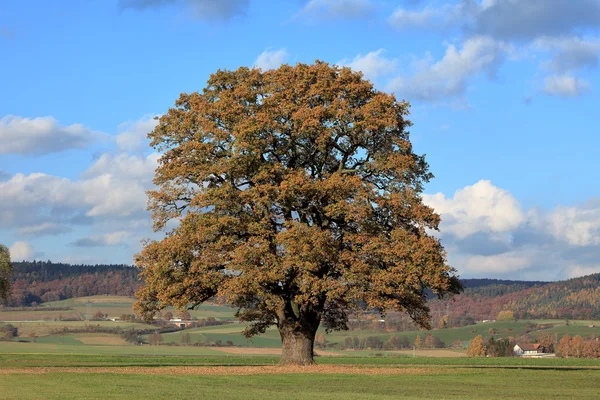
43, 328
225, 333
584, 331
71, 345
38, 315
114, 306
448, 336
404, 378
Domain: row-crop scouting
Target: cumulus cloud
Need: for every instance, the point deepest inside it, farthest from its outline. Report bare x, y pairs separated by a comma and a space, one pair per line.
270, 59
43, 135
21, 251
556, 27
132, 135
27, 199
578, 226
488, 234
373, 64
46, 228
126, 167
112, 188
107, 239
208, 10
565, 86
448, 77
496, 264
338, 9
481, 207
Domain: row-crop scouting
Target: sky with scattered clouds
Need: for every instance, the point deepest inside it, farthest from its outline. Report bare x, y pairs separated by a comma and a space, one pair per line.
504, 98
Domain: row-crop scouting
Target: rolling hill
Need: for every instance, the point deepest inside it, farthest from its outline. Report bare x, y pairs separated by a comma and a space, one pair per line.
579, 298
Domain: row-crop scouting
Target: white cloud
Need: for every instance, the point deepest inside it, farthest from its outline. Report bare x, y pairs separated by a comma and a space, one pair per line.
133, 135
487, 234
446, 78
565, 86
575, 270
343, 9
481, 207
43, 135
46, 228
578, 226
21, 251
494, 265
112, 188
107, 239
373, 64
270, 59
537, 27
124, 166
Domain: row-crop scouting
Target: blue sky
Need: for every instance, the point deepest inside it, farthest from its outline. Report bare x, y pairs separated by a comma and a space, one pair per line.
504, 98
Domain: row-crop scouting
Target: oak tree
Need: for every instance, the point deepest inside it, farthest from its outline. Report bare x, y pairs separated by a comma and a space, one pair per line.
296, 197
5, 273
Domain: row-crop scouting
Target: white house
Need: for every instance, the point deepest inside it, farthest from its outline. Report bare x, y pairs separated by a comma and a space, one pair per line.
527, 349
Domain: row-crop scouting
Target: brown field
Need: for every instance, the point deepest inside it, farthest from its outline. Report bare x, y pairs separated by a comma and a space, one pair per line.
245, 370
99, 338
266, 351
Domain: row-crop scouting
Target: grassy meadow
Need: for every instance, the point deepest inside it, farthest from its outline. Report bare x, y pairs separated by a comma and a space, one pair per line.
257, 377
99, 365
44, 330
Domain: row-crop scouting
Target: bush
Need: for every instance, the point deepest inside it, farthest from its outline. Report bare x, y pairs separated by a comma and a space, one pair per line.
8, 332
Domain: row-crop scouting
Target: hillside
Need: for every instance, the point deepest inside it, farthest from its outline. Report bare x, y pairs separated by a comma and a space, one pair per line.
45, 281
578, 298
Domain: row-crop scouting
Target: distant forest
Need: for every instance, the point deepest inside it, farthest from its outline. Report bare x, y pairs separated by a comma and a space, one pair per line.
44, 281
40, 282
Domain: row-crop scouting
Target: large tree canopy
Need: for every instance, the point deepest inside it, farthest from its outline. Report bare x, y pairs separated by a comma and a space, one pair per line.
297, 196
5, 272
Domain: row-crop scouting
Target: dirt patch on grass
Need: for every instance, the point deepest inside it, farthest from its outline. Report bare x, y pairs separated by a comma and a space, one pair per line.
101, 339
266, 351
222, 371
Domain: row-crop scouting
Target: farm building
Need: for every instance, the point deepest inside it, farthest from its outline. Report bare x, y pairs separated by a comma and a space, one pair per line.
180, 323
527, 349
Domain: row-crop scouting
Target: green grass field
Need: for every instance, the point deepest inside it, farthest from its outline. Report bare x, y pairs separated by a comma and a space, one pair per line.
42, 326
114, 306
38, 376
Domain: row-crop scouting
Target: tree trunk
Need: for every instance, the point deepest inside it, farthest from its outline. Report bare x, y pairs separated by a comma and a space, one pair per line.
298, 344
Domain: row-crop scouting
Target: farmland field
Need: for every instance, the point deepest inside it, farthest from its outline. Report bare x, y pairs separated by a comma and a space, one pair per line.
114, 306
234, 377
53, 334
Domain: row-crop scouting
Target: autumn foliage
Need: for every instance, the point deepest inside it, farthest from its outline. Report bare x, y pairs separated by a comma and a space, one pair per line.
476, 347
296, 194
5, 273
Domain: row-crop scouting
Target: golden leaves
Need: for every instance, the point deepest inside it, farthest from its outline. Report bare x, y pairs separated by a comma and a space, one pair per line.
295, 189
